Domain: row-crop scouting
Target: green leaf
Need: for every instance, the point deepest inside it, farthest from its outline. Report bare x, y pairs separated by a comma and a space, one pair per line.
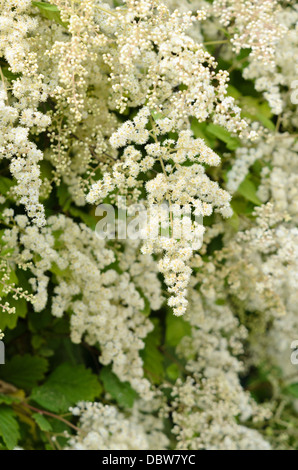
88, 219
147, 308
122, 392
9, 428
46, 169
24, 371
199, 131
42, 422
234, 221
173, 372
157, 115
242, 206
51, 12
46, 6
59, 428
293, 390
66, 386
9, 320
152, 356
12, 280
40, 321
220, 302
9, 75
5, 184
248, 190
60, 272
176, 329
6, 399
64, 197
232, 91
222, 134
257, 110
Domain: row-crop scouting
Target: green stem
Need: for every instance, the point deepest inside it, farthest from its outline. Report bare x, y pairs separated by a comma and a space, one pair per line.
211, 43
52, 415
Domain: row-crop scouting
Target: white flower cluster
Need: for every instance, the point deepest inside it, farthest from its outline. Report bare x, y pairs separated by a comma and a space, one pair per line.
71, 57
279, 180
245, 157
277, 244
109, 99
277, 79
210, 408
167, 100
258, 268
9, 287
105, 304
20, 113
151, 46
104, 427
187, 190
253, 25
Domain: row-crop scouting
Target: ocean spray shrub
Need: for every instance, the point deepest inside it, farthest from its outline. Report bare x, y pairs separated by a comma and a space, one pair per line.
185, 109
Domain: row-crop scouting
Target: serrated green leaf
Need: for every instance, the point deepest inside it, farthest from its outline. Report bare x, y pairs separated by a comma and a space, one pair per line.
42, 422
9, 428
24, 371
122, 392
66, 386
